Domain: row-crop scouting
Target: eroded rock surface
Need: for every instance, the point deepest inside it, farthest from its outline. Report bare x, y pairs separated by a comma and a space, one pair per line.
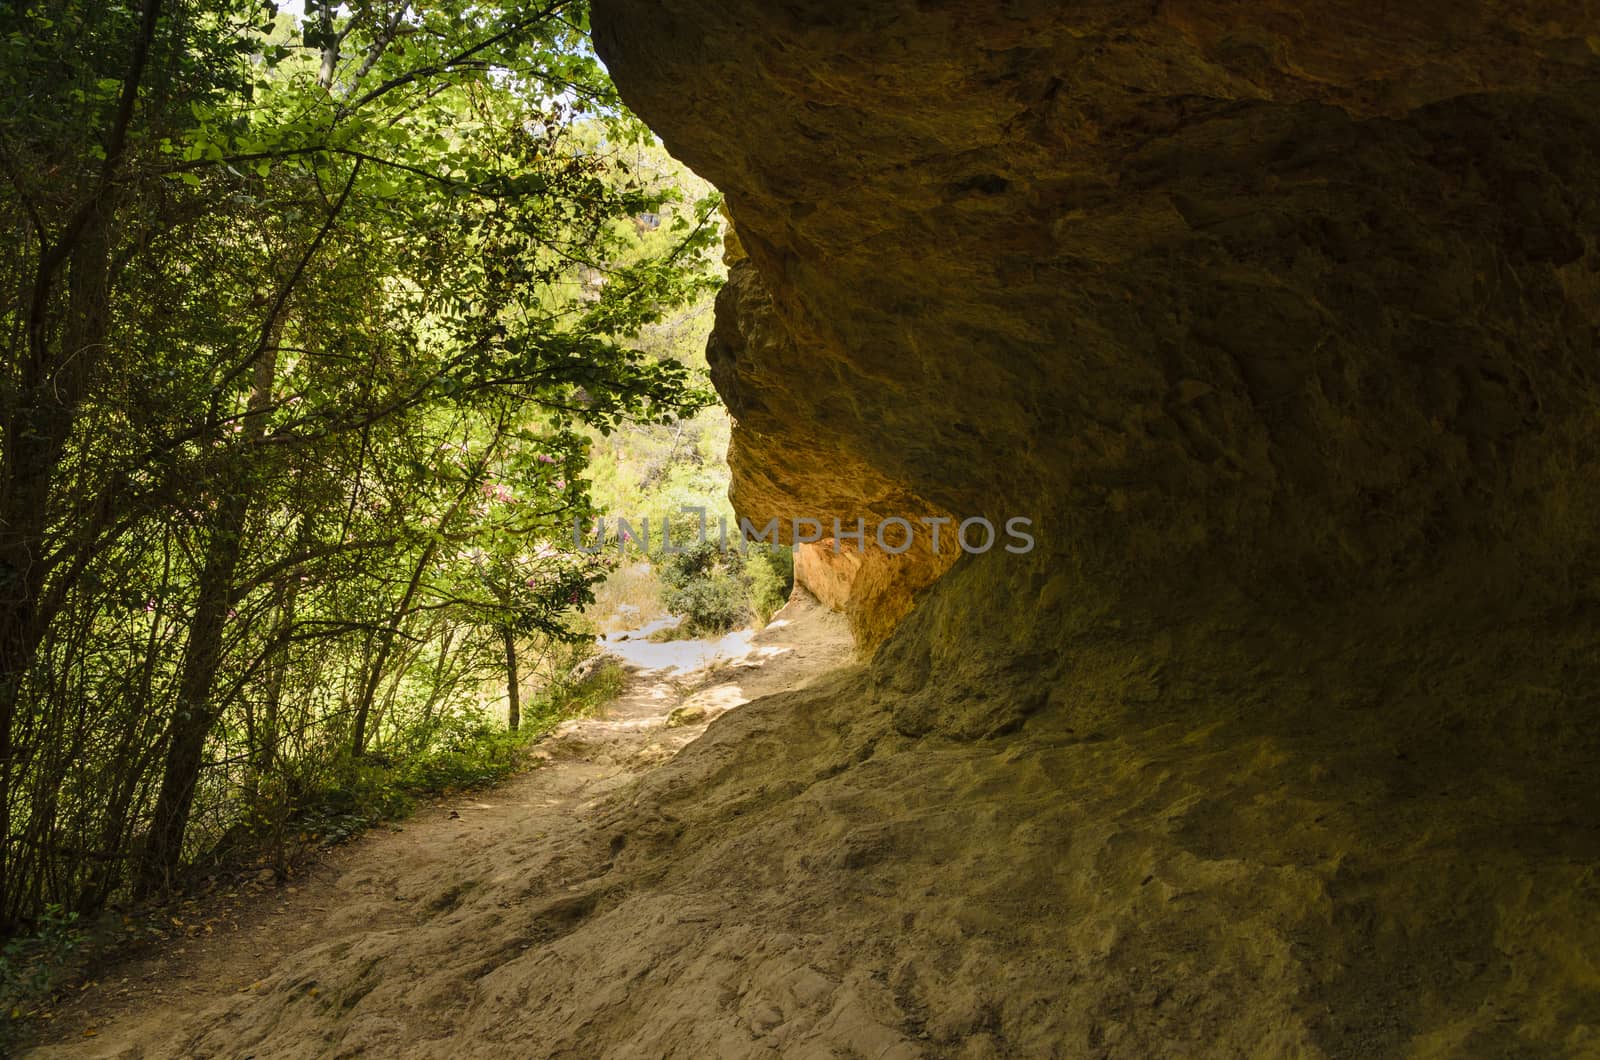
786, 470
1291, 293
1281, 323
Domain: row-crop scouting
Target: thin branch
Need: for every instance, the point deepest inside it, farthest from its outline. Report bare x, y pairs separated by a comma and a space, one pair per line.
461, 58
265, 342
54, 256
379, 45
289, 563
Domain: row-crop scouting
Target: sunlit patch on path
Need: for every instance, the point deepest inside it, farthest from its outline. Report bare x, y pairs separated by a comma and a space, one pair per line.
681, 658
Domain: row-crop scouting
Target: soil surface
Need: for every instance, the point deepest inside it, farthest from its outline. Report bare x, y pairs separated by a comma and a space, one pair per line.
404, 891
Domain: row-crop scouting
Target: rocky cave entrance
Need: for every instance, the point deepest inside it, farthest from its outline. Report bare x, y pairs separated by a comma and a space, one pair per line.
1283, 331
1280, 329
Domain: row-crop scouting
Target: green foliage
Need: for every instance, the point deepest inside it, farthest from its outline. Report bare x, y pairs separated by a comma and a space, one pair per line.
489, 755
31, 966
467, 751
577, 697
716, 590
703, 584
770, 573
314, 327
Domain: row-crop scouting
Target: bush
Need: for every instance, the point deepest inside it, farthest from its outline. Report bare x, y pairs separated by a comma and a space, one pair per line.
706, 586
580, 697
716, 591
31, 967
770, 572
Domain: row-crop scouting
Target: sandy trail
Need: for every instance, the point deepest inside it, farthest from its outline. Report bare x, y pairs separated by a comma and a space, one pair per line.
396, 885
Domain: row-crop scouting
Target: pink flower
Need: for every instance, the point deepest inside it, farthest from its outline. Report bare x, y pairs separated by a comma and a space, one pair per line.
546, 458
561, 483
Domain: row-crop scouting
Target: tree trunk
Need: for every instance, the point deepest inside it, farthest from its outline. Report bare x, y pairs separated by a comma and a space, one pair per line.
37, 427
39, 415
436, 686
195, 712
513, 693
288, 590
369, 690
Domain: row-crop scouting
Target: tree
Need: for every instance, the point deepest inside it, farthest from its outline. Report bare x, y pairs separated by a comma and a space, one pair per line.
283, 298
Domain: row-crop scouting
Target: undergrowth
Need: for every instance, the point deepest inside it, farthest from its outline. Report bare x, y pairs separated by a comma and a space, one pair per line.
461, 754
357, 794
716, 590
30, 968
475, 754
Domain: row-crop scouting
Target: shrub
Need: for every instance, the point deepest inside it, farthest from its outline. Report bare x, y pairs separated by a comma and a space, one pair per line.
707, 587
716, 591
31, 967
770, 572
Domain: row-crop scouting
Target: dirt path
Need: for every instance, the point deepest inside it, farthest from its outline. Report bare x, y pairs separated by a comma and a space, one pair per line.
413, 878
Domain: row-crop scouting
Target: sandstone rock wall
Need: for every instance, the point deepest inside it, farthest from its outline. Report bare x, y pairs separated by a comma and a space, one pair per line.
872, 589
1281, 323
1191, 280
787, 470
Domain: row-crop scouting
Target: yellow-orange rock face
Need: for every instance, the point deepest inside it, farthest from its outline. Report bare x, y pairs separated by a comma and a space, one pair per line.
1281, 323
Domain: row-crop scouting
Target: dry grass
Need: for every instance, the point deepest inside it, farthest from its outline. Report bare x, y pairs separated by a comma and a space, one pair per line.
628, 599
